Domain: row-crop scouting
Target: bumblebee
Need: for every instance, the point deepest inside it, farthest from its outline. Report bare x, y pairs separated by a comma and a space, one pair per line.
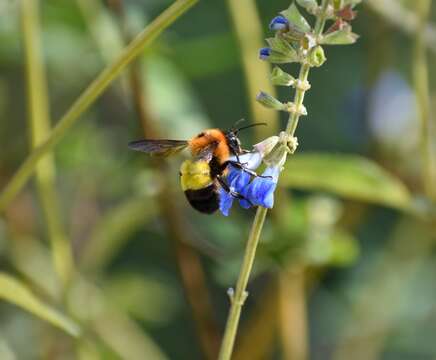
202, 176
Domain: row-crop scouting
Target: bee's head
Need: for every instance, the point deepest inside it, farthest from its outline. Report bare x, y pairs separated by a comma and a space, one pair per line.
233, 139
234, 142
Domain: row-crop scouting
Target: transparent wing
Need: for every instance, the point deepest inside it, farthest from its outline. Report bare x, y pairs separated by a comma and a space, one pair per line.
206, 154
159, 147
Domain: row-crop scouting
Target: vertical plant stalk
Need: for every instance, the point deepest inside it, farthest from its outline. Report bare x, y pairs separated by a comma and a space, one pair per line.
238, 298
250, 36
190, 268
90, 94
39, 125
420, 73
240, 294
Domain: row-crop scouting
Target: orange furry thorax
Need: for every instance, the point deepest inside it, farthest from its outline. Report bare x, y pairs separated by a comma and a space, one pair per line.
199, 142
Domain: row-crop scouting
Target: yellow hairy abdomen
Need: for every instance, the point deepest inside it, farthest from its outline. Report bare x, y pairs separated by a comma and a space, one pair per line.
195, 175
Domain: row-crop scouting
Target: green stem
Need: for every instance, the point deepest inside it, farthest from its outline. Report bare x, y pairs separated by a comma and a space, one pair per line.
238, 298
420, 71
94, 90
298, 101
294, 117
39, 125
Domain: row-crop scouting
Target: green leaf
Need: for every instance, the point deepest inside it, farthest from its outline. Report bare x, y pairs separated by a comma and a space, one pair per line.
349, 176
15, 292
296, 19
282, 46
309, 5
340, 37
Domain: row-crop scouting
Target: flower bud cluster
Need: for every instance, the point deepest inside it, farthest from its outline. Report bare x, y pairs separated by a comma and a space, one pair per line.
296, 41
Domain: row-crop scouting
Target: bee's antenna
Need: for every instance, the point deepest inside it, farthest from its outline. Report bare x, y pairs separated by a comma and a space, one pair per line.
249, 126
235, 126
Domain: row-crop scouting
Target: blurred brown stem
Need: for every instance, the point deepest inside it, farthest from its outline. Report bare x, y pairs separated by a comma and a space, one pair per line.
190, 267
292, 305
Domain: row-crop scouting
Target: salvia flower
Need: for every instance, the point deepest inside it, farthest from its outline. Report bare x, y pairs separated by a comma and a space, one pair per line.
237, 179
279, 23
257, 191
260, 192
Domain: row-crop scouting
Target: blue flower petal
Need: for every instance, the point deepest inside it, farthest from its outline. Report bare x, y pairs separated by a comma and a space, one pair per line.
245, 204
261, 190
239, 184
232, 174
264, 53
251, 160
279, 23
226, 201
237, 180
240, 181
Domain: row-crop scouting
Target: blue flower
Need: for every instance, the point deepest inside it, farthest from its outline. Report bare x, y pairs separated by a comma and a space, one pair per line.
264, 53
279, 23
260, 192
237, 180
240, 181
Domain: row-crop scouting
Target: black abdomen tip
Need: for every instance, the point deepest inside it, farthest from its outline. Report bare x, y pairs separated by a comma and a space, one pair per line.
205, 200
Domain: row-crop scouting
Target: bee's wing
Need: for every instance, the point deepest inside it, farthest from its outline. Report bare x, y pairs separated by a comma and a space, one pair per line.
206, 153
159, 147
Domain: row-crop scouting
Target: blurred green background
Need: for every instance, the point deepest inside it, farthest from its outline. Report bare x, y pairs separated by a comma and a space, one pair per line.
346, 265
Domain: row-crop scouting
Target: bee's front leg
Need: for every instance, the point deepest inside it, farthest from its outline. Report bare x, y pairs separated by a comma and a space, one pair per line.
242, 167
235, 194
